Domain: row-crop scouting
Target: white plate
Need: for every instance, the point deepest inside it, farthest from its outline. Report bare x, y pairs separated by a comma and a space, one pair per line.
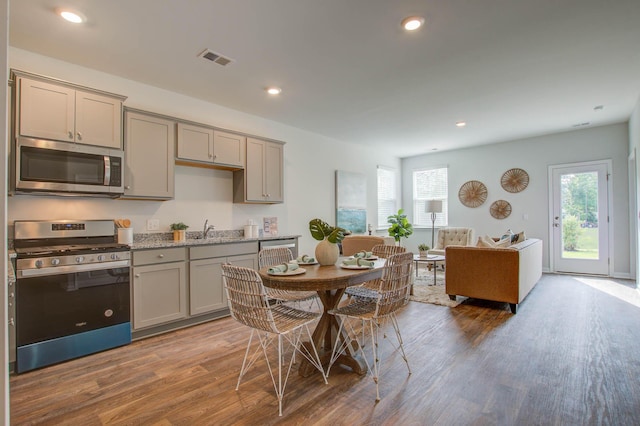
356, 266
294, 272
308, 263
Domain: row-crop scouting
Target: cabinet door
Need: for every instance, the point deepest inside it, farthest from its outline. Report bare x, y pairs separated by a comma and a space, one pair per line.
159, 294
254, 170
273, 172
195, 143
46, 110
98, 120
206, 289
247, 260
228, 148
149, 157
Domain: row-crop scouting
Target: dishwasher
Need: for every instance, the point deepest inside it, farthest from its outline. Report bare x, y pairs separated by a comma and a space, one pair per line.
290, 243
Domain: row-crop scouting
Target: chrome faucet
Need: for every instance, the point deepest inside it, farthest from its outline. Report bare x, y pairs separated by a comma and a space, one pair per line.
206, 229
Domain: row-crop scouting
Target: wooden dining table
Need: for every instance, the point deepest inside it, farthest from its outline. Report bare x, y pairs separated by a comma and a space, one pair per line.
329, 282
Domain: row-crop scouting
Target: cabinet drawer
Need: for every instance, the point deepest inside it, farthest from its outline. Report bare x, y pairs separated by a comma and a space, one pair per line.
163, 255
221, 250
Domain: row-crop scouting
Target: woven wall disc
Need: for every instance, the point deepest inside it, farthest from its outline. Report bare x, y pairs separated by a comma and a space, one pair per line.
514, 180
500, 209
472, 193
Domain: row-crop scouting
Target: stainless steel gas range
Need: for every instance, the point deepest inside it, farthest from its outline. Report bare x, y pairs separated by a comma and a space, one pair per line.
72, 291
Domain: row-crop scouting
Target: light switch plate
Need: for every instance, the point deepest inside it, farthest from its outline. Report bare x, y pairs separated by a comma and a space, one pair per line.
153, 224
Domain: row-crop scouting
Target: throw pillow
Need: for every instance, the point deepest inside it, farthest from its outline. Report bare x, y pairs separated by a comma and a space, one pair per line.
519, 237
509, 234
486, 241
504, 242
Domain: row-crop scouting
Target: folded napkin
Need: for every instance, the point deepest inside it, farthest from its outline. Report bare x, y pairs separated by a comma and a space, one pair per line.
358, 261
305, 258
363, 254
285, 267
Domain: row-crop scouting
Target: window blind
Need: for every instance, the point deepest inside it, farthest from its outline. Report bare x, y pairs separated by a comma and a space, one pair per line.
430, 184
387, 195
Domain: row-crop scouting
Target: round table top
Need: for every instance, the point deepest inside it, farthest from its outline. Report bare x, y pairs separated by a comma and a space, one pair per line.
318, 277
429, 258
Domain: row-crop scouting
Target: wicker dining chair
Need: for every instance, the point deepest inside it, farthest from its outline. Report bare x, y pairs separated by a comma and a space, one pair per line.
249, 305
276, 256
393, 294
368, 288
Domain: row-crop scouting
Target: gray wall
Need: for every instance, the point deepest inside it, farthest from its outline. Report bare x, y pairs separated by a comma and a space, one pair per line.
488, 163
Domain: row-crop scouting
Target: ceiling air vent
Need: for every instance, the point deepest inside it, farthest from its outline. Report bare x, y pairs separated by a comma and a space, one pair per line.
215, 57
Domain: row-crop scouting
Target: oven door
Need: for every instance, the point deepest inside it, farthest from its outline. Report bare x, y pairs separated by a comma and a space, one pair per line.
50, 166
54, 306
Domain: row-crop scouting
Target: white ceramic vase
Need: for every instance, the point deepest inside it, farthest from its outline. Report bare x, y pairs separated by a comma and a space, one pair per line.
327, 253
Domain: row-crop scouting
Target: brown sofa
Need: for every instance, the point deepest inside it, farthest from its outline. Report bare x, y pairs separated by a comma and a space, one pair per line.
498, 274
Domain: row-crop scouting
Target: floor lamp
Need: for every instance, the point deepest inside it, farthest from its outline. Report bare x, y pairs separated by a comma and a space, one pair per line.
433, 207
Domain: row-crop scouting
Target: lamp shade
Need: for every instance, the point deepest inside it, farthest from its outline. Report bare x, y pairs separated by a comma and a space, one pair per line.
433, 206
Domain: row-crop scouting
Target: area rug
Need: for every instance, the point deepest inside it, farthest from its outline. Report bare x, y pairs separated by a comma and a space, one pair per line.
425, 291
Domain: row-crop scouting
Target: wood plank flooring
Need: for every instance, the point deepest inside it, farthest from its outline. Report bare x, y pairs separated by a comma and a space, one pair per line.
571, 356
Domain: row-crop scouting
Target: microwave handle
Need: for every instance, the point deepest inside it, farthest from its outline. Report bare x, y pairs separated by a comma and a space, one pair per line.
107, 170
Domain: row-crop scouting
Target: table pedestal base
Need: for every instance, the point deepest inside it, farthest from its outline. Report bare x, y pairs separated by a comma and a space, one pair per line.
325, 335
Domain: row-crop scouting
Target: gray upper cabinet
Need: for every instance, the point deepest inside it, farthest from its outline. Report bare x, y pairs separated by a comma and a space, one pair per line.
49, 110
262, 181
208, 147
149, 156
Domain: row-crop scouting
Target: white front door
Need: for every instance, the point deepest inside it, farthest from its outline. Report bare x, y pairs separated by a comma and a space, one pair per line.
580, 217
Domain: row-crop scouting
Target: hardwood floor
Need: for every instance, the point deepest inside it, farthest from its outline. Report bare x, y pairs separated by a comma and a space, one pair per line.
571, 356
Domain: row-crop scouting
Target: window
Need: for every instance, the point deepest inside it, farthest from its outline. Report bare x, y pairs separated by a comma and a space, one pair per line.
387, 197
430, 184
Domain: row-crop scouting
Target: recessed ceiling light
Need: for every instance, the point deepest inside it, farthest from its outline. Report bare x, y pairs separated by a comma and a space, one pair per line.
71, 16
461, 123
412, 23
274, 90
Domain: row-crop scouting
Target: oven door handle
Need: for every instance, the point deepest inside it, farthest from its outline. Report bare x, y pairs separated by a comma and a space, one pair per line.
70, 269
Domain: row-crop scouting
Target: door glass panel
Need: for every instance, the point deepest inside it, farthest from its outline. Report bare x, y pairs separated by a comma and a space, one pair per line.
579, 198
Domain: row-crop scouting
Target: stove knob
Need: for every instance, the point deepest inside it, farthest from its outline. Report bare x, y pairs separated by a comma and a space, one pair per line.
101, 258
39, 263
114, 256
55, 261
79, 259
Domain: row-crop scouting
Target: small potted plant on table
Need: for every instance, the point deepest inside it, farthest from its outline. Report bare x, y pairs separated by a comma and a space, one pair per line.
179, 231
423, 249
327, 251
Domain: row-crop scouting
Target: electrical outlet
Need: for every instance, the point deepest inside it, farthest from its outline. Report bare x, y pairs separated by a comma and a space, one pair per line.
153, 224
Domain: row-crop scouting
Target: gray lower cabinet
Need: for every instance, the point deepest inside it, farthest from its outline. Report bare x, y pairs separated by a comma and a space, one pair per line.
159, 286
179, 285
206, 288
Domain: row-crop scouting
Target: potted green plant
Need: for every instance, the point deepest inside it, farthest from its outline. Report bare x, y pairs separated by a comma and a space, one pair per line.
400, 226
179, 231
327, 251
423, 249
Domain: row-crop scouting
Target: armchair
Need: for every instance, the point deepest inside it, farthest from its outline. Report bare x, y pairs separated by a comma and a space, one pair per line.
452, 237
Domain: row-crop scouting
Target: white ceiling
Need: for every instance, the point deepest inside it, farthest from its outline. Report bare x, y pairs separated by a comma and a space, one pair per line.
510, 68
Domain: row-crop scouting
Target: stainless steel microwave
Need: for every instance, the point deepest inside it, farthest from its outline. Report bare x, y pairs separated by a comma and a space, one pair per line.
43, 166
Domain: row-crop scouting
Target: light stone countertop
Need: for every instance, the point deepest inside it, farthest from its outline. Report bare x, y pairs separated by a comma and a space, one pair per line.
142, 244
